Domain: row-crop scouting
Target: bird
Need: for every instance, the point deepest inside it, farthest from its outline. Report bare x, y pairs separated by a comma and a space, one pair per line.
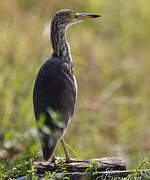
55, 88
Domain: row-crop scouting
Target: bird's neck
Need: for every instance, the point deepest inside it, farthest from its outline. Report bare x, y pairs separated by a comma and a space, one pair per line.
59, 42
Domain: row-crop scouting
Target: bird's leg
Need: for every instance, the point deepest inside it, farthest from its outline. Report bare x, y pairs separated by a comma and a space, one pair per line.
53, 159
66, 151
68, 159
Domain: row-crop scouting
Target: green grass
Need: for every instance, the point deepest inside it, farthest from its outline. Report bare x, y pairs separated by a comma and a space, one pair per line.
111, 59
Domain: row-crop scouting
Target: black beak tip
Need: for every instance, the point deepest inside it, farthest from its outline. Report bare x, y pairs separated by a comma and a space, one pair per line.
95, 16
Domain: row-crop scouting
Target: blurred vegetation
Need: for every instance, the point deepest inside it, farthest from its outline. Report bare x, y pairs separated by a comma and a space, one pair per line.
111, 57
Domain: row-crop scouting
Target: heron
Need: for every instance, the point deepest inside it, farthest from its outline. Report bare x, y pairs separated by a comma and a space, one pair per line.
55, 88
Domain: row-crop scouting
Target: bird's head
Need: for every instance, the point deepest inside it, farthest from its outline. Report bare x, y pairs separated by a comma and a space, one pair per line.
68, 17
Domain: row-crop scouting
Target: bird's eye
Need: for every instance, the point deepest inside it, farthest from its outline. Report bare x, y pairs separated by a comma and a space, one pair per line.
73, 15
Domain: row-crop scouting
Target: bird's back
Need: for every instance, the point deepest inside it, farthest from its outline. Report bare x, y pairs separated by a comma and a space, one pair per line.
54, 91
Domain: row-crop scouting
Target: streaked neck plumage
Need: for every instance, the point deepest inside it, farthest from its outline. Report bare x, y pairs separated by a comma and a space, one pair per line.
59, 42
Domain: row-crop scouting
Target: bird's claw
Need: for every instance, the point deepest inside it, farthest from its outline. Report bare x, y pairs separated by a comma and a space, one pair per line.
68, 160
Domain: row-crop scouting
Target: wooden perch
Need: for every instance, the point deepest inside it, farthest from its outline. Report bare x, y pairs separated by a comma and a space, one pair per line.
106, 163
110, 168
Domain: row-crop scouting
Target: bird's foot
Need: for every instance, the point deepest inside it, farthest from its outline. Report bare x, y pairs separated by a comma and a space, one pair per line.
54, 159
68, 160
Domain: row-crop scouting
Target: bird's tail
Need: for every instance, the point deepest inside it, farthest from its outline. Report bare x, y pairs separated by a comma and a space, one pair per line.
48, 143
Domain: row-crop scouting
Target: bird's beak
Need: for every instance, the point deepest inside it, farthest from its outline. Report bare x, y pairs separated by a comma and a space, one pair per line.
83, 16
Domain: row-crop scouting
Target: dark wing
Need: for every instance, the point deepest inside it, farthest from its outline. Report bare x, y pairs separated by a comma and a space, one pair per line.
68, 93
55, 89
